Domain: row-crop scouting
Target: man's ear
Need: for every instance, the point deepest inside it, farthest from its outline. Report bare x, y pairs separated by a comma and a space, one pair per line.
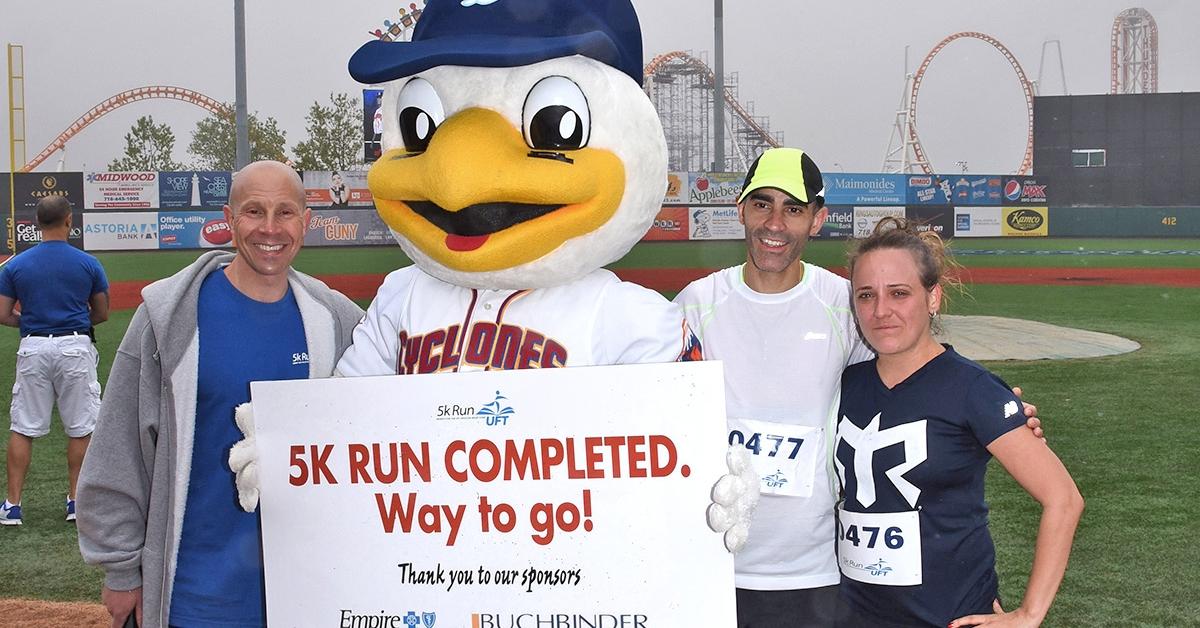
819, 217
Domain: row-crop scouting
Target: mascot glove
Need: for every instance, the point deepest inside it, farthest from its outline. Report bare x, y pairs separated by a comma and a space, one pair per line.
734, 497
243, 459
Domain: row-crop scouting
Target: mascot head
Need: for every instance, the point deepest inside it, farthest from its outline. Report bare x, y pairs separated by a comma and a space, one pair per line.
519, 148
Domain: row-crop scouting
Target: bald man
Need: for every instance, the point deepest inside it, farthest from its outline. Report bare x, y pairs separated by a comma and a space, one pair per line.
157, 510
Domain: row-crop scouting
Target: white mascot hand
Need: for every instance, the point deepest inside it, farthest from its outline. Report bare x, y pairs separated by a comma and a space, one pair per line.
243, 459
734, 497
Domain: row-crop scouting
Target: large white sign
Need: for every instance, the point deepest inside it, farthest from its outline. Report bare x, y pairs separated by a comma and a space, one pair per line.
977, 222
120, 231
120, 190
481, 500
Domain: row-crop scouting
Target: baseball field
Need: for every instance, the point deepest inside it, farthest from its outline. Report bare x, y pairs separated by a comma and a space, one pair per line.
1125, 426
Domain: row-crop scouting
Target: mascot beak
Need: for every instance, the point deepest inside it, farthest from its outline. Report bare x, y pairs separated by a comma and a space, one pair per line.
480, 199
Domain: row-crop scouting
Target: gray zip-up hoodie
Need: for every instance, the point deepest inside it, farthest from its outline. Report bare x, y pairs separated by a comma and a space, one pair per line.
134, 482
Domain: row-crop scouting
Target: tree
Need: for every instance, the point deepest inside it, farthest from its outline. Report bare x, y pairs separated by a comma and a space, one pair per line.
148, 147
334, 135
214, 140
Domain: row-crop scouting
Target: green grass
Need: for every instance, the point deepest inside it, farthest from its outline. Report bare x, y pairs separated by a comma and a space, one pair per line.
1124, 426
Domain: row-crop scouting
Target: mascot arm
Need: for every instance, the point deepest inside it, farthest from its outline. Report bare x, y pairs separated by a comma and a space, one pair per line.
375, 346
734, 498
243, 459
638, 326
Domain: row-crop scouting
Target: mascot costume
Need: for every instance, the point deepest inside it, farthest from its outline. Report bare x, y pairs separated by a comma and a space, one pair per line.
520, 157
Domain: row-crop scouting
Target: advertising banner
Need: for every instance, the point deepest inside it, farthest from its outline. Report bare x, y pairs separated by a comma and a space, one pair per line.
541, 497
977, 222
714, 188
865, 218
1025, 221
372, 100
120, 231
194, 190
715, 223
347, 227
677, 184
671, 223
864, 189
839, 224
193, 230
120, 190
324, 188
929, 189
977, 189
30, 187
1025, 191
939, 220
176, 190
214, 188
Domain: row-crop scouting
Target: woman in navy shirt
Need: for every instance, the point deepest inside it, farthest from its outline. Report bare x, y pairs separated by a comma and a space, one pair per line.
917, 428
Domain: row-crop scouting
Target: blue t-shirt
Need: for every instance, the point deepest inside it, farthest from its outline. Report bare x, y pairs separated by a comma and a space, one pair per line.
964, 408
219, 570
53, 281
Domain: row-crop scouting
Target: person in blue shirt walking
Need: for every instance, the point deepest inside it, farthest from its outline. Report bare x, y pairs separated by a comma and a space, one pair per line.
158, 506
63, 294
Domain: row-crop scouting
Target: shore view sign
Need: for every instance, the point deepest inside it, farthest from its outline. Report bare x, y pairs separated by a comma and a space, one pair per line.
523, 497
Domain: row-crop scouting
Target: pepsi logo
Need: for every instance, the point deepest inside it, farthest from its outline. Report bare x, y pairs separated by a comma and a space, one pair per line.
1012, 190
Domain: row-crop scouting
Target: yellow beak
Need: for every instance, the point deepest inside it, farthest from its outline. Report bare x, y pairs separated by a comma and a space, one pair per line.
479, 199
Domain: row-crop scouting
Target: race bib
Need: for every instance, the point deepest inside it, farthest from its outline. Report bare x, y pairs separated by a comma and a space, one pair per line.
785, 456
880, 548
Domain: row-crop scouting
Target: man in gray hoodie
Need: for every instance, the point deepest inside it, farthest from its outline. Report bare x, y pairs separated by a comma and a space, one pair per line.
157, 504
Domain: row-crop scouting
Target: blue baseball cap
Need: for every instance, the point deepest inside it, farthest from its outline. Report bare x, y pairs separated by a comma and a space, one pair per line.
507, 33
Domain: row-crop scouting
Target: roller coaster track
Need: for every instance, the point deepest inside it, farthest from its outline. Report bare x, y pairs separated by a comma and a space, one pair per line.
1026, 87
662, 60
118, 101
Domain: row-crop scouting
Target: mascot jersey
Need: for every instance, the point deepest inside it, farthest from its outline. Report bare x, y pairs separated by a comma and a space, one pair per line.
913, 542
419, 324
783, 354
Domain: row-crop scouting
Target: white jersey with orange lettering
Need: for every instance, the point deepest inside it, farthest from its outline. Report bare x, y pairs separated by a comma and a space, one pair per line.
420, 324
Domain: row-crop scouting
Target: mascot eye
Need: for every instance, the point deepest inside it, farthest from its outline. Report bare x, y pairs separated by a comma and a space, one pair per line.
556, 115
420, 114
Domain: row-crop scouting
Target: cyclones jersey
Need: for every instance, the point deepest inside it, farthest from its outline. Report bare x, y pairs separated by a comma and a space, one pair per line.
783, 356
420, 324
914, 457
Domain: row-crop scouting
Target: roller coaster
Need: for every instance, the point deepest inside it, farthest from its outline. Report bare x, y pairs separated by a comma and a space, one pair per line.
681, 86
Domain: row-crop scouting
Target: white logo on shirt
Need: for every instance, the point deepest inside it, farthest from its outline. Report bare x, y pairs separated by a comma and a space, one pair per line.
300, 358
471, 3
812, 335
1010, 409
865, 442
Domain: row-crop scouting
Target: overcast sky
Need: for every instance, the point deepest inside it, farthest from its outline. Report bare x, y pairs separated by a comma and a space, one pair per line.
828, 74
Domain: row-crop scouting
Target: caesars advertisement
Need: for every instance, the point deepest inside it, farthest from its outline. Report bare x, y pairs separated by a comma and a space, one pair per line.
29, 188
575, 496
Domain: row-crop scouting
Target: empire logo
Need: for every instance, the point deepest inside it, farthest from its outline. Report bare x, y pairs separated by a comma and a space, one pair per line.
382, 619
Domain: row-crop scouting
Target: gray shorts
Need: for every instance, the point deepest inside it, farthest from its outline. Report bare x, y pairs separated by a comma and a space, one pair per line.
58, 370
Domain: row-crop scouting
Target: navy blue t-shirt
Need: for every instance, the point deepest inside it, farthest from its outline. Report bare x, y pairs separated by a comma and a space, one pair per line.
53, 281
219, 571
958, 408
